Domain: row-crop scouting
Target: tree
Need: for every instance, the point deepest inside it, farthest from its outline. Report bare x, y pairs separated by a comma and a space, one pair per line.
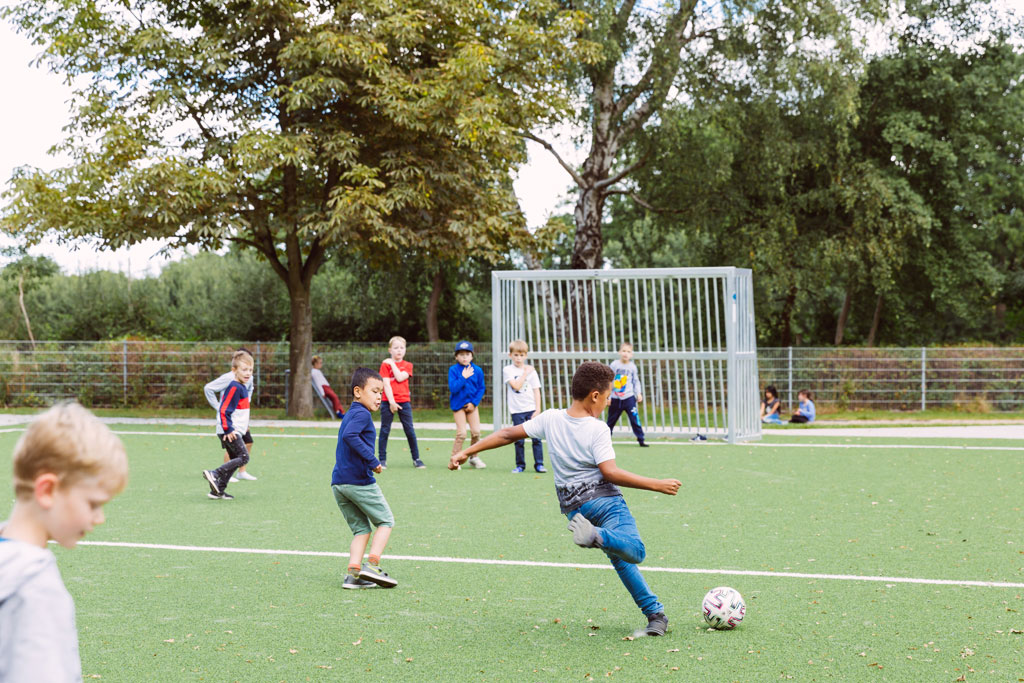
293, 128
651, 57
26, 270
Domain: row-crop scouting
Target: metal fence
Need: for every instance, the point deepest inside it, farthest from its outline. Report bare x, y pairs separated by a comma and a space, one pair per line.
172, 374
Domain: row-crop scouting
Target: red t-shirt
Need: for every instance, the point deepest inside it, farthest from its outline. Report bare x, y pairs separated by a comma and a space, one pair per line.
399, 389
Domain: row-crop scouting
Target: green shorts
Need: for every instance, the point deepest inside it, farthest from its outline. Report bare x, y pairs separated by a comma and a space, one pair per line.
364, 507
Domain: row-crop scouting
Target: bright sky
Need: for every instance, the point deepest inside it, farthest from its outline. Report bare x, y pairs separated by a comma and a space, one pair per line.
37, 111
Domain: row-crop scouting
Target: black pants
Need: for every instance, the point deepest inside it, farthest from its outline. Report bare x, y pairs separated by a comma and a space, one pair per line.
386, 418
239, 457
627, 405
798, 420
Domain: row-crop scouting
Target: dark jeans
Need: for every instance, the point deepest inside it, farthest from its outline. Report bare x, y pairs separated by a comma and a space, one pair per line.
621, 542
798, 420
386, 418
538, 449
239, 457
627, 405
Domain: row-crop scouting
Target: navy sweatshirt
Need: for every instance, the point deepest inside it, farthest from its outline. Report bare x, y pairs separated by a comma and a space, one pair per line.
354, 458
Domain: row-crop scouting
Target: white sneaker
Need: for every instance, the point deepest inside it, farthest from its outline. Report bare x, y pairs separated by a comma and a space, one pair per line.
477, 463
246, 476
233, 480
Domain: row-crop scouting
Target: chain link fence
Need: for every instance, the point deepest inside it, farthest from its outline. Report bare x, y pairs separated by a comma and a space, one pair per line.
172, 374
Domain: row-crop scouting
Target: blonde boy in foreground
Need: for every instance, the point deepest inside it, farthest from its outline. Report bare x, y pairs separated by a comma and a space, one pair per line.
67, 465
583, 462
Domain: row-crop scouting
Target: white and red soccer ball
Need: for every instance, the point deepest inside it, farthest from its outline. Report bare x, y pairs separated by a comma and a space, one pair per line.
724, 608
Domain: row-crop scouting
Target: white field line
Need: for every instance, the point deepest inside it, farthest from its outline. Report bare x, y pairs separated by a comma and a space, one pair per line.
758, 444
566, 565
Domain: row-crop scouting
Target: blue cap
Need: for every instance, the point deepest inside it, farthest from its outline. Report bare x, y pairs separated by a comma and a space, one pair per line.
463, 346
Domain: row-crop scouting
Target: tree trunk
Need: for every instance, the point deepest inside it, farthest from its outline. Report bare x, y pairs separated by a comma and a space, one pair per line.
300, 351
787, 317
843, 315
875, 320
588, 247
24, 311
435, 299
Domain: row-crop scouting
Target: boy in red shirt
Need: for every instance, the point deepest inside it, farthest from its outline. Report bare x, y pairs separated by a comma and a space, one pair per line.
396, 372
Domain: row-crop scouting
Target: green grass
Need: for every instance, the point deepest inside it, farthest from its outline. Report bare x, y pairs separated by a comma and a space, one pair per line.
180, 615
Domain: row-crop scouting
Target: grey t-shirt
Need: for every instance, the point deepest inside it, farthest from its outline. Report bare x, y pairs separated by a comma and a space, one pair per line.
627, 380
577, 445
38, 638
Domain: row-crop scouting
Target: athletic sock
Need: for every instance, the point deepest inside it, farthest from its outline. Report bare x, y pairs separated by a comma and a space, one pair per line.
353, 569
374, 559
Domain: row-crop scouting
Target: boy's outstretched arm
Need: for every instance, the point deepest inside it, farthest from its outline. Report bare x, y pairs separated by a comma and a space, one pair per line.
502, 437
616, 475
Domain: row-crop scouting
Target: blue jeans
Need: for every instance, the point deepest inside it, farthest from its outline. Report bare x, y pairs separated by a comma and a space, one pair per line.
538, 449
772, 419
386, 418
621, 542
628, 406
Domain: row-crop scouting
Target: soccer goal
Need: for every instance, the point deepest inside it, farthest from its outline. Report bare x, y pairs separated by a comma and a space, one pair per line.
692, 331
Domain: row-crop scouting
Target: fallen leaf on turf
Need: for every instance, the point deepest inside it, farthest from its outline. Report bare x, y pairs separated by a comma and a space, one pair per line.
627, 638
966, 652
169, 640
292, 650
595, 627
408, 659
675, 649
358, 642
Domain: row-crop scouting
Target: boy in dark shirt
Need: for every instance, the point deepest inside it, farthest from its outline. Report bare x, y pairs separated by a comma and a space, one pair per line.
356, 491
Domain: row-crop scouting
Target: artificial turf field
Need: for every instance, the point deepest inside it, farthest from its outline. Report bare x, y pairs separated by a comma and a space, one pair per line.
789, 527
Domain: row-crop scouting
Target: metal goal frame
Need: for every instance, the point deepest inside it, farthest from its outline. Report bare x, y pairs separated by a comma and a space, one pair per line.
692, 331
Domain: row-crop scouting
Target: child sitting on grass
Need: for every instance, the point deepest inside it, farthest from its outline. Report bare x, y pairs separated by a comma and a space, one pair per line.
67, 465
586, 479
356, 491
805, 411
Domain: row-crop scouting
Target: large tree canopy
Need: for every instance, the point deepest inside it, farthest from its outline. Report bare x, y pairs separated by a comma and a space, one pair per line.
294, 127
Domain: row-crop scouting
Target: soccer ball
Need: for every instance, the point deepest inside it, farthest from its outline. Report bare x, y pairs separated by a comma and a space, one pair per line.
724, 608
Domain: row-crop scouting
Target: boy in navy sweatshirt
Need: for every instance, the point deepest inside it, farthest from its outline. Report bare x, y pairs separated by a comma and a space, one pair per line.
356, 491
232, 425
466, 385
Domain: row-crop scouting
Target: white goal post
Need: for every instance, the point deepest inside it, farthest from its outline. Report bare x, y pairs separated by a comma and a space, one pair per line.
692, 331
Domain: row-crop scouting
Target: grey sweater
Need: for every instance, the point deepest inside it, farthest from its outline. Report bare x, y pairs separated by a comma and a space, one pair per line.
38, 638
627, 380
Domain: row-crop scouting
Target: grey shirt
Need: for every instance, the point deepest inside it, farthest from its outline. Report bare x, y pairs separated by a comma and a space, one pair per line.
627, 380
38, 638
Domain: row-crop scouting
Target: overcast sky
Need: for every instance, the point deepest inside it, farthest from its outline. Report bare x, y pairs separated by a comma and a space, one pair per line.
37, 110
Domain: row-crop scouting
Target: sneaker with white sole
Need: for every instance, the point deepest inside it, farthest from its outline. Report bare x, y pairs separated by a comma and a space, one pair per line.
245, 475
226, 496
657, 624
211, 478
584, 533
371, 572
477, 463
233, 479
352, 582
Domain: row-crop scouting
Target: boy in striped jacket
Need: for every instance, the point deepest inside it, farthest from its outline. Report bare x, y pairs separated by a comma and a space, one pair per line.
232, 424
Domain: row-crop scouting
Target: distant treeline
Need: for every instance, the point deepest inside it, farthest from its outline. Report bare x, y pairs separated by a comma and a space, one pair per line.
234, 296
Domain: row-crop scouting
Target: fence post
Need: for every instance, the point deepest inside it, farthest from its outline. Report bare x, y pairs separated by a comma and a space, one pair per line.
287, 386
257, 369
124, 370
924, 356
790, 380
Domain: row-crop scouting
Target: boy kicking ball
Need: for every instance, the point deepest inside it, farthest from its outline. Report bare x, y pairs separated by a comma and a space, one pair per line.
586, 479
356, 491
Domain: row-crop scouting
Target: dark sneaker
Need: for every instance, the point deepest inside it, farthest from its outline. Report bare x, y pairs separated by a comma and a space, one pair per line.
657, 624
418, 464
226, 496
540, 469
643, 445
584, 534
354, 583
374, 573
340, 414
213, 496
211, 479
518, 470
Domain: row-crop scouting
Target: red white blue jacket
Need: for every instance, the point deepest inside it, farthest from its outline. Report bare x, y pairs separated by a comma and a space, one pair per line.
233, 414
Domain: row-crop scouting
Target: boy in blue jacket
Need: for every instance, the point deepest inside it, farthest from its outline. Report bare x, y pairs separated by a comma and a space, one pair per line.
355, 490
466, 384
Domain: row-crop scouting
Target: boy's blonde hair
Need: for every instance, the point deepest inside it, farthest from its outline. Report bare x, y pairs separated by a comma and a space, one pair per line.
316, 359
241, 356
518, 346
69, 441
391, 342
